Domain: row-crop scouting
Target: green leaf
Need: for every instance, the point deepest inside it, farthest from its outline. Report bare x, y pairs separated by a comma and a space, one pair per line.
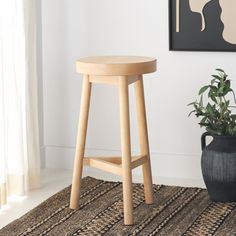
203, 124
234, 116
213, 99
221, 90
227, 103
203, 89
217, 115
234, 130
213, 80
192, 103
203, 120
220, 70
191, 113
210, 109
201, 101
231, 90
213, 90
216, 77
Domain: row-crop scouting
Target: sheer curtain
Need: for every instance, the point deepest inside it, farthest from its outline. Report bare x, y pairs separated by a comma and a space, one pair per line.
19, 138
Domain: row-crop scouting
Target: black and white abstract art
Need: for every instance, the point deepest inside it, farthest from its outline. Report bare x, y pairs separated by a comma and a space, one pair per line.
202, 25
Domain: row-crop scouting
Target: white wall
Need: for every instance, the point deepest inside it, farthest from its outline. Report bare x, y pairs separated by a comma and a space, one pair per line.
73, 29
64, 39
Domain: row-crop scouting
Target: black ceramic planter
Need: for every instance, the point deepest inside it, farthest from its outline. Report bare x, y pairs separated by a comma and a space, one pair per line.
219, 167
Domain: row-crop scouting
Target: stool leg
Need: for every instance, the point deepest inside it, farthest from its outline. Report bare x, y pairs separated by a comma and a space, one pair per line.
126, 151
143, 139
80, 143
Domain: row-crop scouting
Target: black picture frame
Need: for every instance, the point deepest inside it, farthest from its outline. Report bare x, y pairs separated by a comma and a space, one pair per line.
190, 37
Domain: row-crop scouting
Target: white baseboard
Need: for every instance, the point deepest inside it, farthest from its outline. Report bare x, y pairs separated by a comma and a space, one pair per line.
168, 169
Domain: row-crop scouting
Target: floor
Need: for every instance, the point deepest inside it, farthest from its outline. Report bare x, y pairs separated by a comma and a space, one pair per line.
54, 180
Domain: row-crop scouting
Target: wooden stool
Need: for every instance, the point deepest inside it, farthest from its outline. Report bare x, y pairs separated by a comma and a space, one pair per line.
120, 71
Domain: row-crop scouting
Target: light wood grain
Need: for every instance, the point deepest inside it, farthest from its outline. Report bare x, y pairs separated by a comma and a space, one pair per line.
103, 79
113, 164
126, 151
80, 144
143, 139
102, 164
112, 80
116, 65
138, 161
132, 79
114, 160
120, 71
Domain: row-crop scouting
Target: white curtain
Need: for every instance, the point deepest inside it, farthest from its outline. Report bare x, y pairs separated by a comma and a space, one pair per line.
19, 135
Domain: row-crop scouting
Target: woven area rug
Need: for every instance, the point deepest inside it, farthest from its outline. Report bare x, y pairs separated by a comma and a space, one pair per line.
176, 211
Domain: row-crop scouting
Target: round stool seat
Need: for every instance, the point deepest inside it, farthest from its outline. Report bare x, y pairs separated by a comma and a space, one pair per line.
116, 65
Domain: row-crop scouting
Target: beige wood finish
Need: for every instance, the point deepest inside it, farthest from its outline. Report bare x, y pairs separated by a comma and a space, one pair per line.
104, 165
119, 71
143, 139
228, 17
80, 144
103, 79
135, 160
116, 65
113, 80
177, 16
138, 161
113, 164
126, 151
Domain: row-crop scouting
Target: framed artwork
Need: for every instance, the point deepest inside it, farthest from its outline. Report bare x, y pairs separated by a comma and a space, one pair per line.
202, 25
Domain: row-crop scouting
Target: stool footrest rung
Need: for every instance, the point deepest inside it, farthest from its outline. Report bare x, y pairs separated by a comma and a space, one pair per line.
113, 164
100, 163
138, 161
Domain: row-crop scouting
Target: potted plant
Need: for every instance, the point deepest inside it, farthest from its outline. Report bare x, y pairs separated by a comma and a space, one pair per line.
219, 157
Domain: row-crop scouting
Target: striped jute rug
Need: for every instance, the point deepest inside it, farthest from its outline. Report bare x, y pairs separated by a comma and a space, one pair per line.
176, 211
